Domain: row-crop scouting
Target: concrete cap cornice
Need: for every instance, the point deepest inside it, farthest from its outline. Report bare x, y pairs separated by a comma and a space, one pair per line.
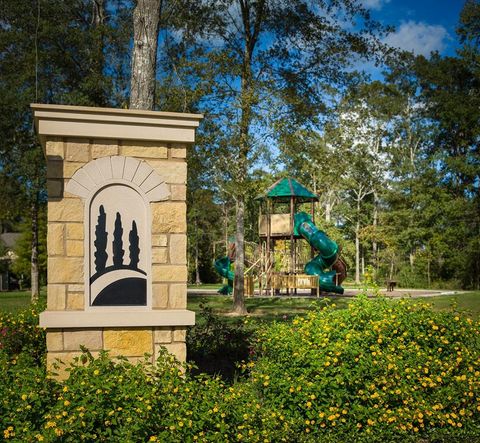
111, 123
116, 318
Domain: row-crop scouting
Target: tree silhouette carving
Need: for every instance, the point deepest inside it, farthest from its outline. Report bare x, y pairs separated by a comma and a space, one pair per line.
101, 241
118, 242
134, 249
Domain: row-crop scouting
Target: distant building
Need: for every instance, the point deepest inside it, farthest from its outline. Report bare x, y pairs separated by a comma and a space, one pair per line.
8, 240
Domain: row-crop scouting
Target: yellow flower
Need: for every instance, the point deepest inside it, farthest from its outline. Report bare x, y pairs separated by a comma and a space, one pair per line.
153, 438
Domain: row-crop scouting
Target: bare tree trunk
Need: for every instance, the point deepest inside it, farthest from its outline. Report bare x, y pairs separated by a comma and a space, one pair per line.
357, 245
375, 224
246, 100
146, 19
328, 212
197, 270
357, 253
238, 290
35, 285
428, 273
225, 226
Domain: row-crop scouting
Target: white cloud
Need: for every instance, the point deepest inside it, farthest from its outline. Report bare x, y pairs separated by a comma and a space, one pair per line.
420, 38
374, 4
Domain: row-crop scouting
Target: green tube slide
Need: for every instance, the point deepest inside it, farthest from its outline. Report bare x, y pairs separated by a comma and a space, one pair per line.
222, 266
328, 253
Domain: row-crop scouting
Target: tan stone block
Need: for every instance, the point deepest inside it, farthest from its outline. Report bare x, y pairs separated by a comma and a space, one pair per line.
76, 288
54, 148
173, 172
54, 188
67, 209
54, 340
180, 152
159, 240
104, 148
178, 249
163, 335
75, 248
69, 168
65, 270
143, 149
77, 150
180, 334
89, 338
159, 255
179, 350
74, 231
55, 239
159, 296
56, 297
129, 342
178, 192
178, 296
169, 273
169, 217
75, 301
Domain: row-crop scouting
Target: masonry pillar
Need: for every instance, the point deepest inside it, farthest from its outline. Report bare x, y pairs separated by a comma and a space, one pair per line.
117, 266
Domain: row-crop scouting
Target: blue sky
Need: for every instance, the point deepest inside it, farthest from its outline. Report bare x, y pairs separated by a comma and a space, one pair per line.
421, 25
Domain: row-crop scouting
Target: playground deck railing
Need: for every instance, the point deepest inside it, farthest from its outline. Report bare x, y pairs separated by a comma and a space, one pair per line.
294, 281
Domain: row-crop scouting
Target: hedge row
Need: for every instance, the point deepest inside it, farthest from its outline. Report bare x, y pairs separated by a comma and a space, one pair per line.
380, 370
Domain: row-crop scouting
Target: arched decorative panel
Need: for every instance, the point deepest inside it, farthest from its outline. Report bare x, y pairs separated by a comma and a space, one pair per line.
117, 192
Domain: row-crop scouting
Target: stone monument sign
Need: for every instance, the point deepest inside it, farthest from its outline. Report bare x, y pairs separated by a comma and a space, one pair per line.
117, 269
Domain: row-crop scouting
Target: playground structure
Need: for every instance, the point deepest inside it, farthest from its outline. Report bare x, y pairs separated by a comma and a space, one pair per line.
293, 253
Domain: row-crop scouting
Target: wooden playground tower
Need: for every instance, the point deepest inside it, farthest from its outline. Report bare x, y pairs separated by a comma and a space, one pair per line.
283, 256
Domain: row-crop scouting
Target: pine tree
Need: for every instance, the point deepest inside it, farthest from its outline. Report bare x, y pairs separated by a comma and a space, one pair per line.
134, 249
101, 241
118, 242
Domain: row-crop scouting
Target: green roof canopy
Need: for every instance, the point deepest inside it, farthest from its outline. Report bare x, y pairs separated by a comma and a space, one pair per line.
286, 188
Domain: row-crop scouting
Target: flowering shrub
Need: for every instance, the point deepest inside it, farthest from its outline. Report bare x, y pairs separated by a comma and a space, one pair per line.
380, 370
19, 333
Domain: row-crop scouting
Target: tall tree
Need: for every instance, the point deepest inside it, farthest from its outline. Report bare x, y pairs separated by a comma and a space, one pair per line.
146, 19
269, 62
52, 52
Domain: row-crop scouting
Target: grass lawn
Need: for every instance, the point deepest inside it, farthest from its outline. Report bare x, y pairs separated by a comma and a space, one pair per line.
468, 302
15, 301
270, 308
266, 308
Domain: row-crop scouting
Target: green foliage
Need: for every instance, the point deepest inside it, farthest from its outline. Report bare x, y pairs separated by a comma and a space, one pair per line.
23, 250
215, 345
20, 334
381, 370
